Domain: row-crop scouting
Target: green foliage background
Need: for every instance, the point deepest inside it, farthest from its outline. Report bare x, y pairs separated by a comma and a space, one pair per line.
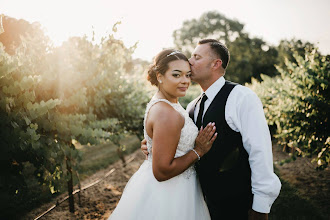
297, 103
291, 79
51, 98
91, 93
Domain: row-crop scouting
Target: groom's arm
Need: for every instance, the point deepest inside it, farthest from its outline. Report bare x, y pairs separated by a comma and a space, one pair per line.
248, 117
257, 142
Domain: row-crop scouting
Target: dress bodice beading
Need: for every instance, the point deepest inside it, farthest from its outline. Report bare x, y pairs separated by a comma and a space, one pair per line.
188, 135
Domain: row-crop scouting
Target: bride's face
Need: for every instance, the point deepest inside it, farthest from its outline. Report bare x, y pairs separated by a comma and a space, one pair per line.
176, 79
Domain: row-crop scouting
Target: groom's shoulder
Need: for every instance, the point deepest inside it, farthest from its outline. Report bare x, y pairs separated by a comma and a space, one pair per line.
242, 91
239, 87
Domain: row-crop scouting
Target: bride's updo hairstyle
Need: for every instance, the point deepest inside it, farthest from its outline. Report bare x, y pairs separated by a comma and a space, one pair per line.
160, 64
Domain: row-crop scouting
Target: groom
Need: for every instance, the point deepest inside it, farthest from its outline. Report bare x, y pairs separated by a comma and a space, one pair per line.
236, 175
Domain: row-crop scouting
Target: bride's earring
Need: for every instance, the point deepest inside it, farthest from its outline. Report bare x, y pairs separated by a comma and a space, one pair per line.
160, 81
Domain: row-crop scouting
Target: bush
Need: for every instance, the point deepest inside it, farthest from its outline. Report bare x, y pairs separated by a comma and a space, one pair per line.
297, 102
52, 97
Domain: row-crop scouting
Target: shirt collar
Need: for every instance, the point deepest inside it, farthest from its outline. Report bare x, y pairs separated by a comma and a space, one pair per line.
213, 90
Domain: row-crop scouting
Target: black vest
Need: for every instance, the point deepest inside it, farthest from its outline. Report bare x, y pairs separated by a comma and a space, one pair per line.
224, 172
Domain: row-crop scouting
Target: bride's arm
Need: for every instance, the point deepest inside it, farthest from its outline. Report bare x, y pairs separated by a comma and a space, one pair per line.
166, 124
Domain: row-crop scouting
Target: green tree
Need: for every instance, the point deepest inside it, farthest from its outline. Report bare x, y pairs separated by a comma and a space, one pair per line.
249, 56
287, 48
297, 103
210, 25
52, 97
15, 29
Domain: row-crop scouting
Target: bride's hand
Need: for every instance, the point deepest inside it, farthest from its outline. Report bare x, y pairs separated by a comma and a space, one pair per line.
205, 139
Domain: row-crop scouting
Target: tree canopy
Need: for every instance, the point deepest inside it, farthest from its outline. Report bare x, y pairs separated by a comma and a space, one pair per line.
250, 56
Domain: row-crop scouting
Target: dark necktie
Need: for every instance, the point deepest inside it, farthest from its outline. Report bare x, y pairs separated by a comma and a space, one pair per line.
201, 110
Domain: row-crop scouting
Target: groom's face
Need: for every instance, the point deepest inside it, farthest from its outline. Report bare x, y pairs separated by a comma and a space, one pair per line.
200, 61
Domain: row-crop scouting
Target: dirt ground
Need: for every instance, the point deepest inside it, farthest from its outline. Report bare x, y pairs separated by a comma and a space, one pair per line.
301, 173
98, 201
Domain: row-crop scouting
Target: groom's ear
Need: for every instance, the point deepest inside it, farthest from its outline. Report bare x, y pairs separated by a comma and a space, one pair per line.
217, 63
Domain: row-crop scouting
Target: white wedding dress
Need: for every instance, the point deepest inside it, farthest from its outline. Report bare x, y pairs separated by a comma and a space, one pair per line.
179, 198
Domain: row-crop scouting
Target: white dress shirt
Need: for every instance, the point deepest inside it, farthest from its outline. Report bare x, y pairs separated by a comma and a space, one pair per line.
244, 113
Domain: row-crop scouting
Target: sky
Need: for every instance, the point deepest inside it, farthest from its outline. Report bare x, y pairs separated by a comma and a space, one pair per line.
151, 22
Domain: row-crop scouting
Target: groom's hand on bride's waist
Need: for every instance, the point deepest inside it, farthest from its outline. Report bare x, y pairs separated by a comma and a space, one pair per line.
144, 148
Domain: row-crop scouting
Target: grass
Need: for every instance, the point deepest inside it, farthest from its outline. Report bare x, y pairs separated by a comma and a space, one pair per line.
290, 205
101, 156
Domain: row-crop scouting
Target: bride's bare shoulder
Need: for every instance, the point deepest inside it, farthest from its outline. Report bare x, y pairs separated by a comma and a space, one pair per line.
163, 112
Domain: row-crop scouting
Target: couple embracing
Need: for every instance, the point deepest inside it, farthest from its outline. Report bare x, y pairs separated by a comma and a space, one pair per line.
210, 161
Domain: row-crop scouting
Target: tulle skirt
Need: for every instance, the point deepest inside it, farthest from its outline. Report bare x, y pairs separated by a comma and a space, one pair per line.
145, 198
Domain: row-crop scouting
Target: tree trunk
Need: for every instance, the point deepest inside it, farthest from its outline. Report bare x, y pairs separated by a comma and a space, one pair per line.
70, 185
79, 185
121, 156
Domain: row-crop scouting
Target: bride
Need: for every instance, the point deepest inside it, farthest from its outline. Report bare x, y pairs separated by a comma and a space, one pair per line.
165, 186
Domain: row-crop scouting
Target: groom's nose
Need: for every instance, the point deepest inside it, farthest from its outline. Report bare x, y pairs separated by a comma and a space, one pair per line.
190, 61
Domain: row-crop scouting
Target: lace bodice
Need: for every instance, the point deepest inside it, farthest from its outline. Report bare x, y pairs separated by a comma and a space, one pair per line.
188, 135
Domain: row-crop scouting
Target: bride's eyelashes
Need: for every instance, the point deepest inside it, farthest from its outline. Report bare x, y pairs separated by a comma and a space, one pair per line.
177, 75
